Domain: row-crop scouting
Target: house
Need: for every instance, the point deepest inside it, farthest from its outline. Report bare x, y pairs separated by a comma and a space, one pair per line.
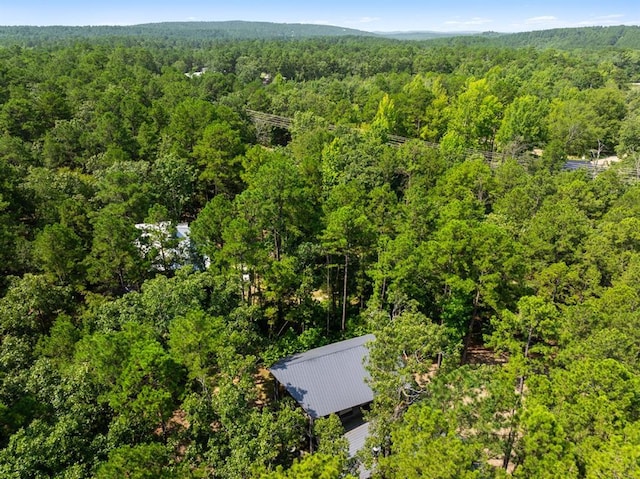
197, 74
167, 246
331, 379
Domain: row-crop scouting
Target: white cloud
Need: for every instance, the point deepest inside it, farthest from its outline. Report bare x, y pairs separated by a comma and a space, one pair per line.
361, 21
316, 22
541, 19
549, 21
470, 22
368, 19
543, 22
613, 19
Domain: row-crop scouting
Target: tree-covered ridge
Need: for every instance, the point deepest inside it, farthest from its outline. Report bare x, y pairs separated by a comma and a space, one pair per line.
620, 36
577, 38
503, 297
422, 35
597, 37
186, 31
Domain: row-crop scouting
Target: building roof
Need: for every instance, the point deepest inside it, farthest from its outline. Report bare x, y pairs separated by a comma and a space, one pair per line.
183, 231
357, 437
158, 236
328, 379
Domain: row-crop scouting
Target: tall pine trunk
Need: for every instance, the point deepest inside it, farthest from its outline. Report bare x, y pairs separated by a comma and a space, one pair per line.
344, 292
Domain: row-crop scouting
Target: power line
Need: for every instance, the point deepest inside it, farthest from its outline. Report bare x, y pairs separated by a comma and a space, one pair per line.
493, 158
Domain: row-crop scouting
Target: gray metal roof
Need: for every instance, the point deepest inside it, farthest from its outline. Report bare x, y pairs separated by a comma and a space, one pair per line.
357, 437
328, 379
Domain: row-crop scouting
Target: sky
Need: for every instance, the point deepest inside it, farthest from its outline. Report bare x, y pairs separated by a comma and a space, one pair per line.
369, 15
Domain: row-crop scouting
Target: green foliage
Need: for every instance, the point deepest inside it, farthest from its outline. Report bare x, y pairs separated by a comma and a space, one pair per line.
474, 121
407, 351
36, 452
149, 385
314, 466
617, 458
217, 153
144, 461
292, 342
592, 400
522, 125
426, 444
531, 332
329, 434
571, 38
546, 451
114, 262
175, 178
31, 305
58, 250
196, 339
574, 127
59, 345
114, 363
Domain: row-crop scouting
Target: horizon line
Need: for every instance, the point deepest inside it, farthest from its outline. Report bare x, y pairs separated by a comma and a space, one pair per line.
375, 32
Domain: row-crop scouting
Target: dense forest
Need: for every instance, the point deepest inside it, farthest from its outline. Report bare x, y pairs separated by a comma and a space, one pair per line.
576, 38
192, 31
200, 33
502, 288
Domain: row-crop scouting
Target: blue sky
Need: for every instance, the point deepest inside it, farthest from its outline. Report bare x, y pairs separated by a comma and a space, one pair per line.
371, 15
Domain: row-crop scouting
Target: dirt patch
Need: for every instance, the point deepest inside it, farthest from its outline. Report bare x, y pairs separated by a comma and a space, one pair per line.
265, 385
481, 355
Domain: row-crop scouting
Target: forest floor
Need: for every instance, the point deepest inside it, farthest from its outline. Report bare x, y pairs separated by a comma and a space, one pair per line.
479, 354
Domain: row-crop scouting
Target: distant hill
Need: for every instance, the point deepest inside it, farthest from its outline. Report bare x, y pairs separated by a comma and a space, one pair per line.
426, 35
622, 36
229, 30
560, 38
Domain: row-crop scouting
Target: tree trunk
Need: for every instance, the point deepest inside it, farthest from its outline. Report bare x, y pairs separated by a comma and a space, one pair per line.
384, 290
276, 244
163, 425
344, 292
511, 439
329, 294
526, 356
472, 322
